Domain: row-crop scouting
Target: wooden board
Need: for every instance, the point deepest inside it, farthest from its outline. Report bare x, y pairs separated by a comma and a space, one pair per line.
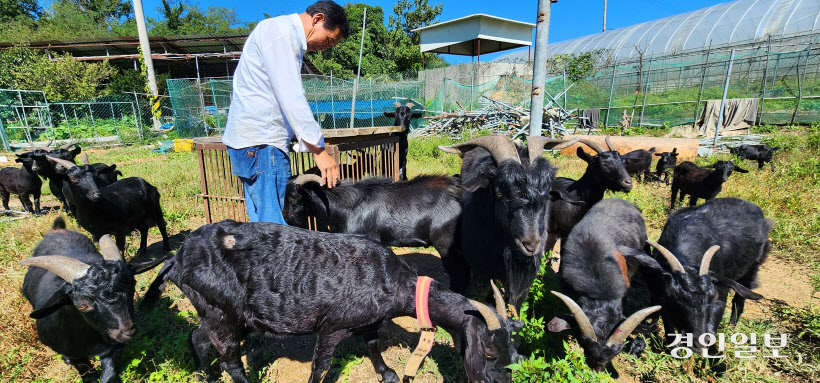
687, 147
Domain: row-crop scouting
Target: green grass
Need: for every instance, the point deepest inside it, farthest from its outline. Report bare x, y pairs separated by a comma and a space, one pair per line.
160, 352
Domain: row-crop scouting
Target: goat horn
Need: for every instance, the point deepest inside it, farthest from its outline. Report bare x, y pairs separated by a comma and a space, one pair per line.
500, 306
305, 178
109, 249
64, 267
396, 104
583, 321
31, 143
500, 147
594, 145
84, 159
68, 145
622, 332
64, 163
410, 105
608, 143
673, 262
488, 314
707, 259
537, 144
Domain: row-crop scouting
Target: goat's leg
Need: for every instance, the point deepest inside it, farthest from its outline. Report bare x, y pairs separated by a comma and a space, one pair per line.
5, 196
26, 203
120, 238
228, 346
110, 363
760, 164
738, 302
674, 194
83, 366
143, 239
325, 346
162, 230
386, 374
200, 345
36, 196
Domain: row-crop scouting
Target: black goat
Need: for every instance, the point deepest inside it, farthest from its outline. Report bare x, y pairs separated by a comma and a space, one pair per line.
22, 181
701, 182
595, 276
271, 278
638, 162
423, 211
605, 171
505, 213
48, 171
760, 153
403, 115
667, 161
102, 174
118, 209
83, 300
706, 251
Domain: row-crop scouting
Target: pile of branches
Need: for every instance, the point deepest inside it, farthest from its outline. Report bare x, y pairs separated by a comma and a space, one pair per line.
496, 116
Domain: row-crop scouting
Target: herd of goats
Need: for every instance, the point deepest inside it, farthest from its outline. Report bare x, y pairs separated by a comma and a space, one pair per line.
491, 224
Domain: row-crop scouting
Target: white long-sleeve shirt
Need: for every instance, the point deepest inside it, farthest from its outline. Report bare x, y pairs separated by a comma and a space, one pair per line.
268, 105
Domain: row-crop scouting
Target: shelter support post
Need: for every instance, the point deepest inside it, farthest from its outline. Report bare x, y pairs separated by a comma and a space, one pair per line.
723, 100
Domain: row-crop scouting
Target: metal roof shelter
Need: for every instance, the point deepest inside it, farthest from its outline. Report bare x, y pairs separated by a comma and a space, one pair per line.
475, 34
215, 54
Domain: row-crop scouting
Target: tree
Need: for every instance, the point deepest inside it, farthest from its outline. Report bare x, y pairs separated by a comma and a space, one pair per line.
577, 66
62, 79
16, 9
411, 14
181, 18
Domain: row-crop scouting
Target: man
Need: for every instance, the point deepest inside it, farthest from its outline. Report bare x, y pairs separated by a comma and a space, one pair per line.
268, 105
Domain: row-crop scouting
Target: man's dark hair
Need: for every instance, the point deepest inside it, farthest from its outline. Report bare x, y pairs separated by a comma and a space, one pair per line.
335, 16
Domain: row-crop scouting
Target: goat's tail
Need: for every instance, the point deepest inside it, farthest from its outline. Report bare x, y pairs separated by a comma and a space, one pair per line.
157, 286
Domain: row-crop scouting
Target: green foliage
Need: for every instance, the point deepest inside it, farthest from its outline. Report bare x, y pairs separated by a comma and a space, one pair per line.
64, 79
577, 66
12, 61
19, 9
129, 80
183, 18
572, 368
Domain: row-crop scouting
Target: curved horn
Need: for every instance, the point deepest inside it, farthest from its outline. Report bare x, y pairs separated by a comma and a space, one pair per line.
583, 322
64, 267
68, 145
707, 259
537, 144
48, 147
396, 104
622, 332
594, 145
305, 178
488, 314
500, 147
673, 262
31, 143
84, 159
64, 163
608, 144
500, 306
109, 249
410, 105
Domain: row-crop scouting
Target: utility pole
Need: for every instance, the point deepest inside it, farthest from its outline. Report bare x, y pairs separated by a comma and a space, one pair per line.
604, 30
539, 71
146, 52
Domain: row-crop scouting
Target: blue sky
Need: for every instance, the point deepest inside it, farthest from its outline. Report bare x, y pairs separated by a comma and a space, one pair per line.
569, 19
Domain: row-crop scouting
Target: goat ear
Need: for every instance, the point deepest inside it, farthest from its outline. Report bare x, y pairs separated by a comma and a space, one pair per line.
740, 170
415, 115
390, 114
19, 160
659, 154
561, 323
474, 356
642, 258
143, 266
23, 155
583, 155
741, 290
108, 169
315, 193
58, 300
76, 150
560, 194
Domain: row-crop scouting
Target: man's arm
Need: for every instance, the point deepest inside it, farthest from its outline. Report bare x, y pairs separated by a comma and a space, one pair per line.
284, 70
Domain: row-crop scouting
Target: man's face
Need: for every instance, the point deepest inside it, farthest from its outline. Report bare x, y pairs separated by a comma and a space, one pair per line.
319, 38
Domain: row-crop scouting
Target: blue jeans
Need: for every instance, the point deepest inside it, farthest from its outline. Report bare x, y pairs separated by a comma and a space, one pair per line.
264, 171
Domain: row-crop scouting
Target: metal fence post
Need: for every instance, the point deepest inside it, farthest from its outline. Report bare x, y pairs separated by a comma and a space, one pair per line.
371, 103
765, 80
611, 91
67, 125
645, 90
93, 124
702, 80
723, 100
116, 128
136, 123
3, 136
332, 107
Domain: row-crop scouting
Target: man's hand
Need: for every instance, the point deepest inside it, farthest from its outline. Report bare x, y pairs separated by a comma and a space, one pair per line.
326, 164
